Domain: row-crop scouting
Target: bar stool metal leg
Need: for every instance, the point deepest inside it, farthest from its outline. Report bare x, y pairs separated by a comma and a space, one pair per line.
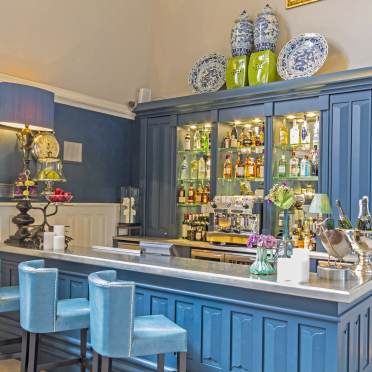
106, 364
24, 352
160, 363
83, 349
96, 358
181, 362
33, 351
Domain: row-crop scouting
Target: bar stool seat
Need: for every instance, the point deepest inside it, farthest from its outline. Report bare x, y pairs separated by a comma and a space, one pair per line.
156, 334
9, 299
42, 312
117, 333
72, 314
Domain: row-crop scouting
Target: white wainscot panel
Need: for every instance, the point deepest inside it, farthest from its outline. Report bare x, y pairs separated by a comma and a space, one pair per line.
87, 223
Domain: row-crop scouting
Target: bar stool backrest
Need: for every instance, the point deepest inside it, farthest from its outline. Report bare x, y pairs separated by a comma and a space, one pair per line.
111, 314
38, 288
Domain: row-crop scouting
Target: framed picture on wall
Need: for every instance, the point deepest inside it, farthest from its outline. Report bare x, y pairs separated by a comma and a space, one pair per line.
294, 3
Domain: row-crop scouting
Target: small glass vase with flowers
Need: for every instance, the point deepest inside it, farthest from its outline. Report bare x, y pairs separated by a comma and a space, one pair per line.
283, 197
263, 245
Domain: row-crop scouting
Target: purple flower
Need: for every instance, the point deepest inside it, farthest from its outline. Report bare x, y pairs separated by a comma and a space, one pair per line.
252, 241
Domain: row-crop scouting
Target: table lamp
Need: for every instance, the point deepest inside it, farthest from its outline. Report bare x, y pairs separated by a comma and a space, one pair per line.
25, 110
320, 205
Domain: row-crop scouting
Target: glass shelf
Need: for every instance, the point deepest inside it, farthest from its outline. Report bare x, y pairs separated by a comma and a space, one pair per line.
235, 150
306, 179
194, 180
187, 205
250, 179
194, 152
298, 147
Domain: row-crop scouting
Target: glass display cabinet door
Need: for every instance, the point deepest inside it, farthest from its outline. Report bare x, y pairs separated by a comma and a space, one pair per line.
193, 179
240, 157
296, 162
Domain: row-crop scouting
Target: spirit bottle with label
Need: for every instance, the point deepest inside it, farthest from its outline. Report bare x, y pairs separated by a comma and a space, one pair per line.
316, 131
191, 194
201, 168
305, 133
294, 166
282, 167
234, 137
226, 141
197, 140
364, 217
181, 194
283, 134
187, 142
305, 167
239, 168
228, 168
184, 169
294, 134
315, 161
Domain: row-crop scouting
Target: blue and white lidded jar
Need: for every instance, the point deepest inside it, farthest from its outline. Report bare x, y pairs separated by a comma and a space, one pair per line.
266, 30
242, 36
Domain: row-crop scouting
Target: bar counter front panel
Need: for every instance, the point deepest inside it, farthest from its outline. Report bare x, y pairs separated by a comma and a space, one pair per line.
247, 324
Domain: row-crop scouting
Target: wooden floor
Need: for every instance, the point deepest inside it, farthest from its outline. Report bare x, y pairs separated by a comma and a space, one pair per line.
9, 365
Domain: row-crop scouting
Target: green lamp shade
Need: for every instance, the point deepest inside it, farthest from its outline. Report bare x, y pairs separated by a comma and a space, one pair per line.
262, 68
320, 204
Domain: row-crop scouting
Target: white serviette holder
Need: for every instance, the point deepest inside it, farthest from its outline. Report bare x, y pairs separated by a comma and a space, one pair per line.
295, 269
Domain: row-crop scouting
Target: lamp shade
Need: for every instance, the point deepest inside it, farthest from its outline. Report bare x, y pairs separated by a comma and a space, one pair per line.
23, 104
320, 204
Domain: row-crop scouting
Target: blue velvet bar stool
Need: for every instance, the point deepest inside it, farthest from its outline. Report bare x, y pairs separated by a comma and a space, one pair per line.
41, 312
117, 333
9, 302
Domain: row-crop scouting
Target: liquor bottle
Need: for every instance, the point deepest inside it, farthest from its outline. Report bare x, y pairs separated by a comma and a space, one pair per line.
251, 167
247, 141
283, 134
184, 169
364, 217
241, 139
294, 134
316, 131
262, 135
305, 133
250, 138
198, 194
294, 166
257, 141
282, 167
181, 194
187, 141
228, 167
234, 137
258, 168
305, 167
201, 168
205, 196
239, 168
315, 161
343, 221
208, 168
191, 194
197, 140
262, 166
204, 141
185, 226
227, 141
194, 169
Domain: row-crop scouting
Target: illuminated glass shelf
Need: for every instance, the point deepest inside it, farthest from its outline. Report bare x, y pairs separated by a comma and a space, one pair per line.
288, 178
194, 180
298, 147
187, 205
194, 152
242, 150
250, 179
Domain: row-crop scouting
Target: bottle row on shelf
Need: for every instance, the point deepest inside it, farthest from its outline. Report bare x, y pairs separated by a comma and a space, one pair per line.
248, 167
198, 168
299, 134
195, 227
200, 140
248, 137
193, 195
303, 233
296, 167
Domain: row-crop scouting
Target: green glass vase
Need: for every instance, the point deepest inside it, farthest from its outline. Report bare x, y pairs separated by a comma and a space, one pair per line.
237, 72
262, 68
261, 266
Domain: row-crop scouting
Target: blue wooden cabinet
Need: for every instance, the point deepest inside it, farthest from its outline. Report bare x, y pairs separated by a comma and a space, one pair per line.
343, 100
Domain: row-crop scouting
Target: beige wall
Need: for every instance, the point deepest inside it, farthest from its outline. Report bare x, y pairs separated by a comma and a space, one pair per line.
110, 48
188, 29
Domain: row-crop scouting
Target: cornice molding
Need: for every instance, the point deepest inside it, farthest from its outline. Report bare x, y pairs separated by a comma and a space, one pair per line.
75, 99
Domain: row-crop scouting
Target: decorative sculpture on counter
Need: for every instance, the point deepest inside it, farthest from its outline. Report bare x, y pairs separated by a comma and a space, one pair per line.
242, 36
266, 30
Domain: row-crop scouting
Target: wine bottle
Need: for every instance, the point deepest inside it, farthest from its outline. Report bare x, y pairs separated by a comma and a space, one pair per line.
364, 217
343, 221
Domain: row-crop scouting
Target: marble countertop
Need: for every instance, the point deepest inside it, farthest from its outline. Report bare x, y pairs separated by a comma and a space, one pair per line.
207, 271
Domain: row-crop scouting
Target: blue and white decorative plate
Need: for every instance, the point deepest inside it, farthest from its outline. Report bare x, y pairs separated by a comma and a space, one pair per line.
302, 56
208, 74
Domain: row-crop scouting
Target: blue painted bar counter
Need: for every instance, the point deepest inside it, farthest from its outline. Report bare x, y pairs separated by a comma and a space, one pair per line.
235, 321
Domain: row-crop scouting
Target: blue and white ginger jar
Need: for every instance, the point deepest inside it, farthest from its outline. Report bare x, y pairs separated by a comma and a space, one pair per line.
266, 30
242, 36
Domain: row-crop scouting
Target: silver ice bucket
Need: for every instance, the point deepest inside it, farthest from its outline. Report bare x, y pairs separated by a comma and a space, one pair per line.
361, 242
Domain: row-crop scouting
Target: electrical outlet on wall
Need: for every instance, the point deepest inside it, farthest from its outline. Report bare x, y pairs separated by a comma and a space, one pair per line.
73, 151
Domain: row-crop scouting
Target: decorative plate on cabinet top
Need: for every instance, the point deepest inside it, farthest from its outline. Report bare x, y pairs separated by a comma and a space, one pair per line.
302, 56
208, 74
